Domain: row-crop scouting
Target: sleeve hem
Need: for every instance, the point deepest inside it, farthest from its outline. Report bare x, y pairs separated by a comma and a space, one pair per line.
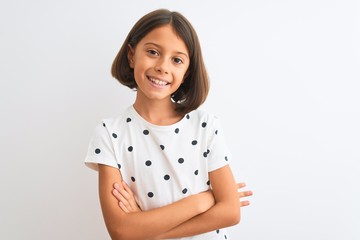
94, 163
217, 166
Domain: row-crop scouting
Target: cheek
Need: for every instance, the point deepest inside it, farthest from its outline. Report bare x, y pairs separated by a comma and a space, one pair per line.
139, 67
182, 72
184, 75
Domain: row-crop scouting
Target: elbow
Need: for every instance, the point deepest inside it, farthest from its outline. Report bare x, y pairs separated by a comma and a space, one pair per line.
114, 234
118, 229
117, 234
121, 233
236, 218
233, 217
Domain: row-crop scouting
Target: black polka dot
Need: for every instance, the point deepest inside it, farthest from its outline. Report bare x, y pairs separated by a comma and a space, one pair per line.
104, 125
133, 179
114, 135
166, 177
203, 124
150, 194
196, 172
216, 132
187, 116
217, 231
146, 132
226, 158
148, 163
130, 149
119, 166
97, 151
177, 130
194, 142
208, 182
205, 154
128, 120
181, 160
225, 237
184, 191
162, 147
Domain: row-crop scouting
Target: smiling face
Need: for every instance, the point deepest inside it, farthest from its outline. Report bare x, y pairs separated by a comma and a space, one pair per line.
160, 61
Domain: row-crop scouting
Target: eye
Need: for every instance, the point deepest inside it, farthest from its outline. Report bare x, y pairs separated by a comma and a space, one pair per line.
178, 60
153, 52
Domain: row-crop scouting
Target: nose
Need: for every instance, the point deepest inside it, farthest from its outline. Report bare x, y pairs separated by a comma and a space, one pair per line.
162, 66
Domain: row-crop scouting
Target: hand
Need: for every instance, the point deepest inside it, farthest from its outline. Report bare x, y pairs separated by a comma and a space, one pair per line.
125, 197
244, 194
128, 203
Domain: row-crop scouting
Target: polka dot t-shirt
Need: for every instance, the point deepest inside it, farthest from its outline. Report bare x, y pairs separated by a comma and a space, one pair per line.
162, 164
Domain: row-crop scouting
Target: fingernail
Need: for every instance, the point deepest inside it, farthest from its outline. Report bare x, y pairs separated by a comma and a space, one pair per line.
116, 185
115, 192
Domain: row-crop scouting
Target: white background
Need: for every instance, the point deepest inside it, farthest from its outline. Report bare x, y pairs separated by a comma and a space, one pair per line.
284, 81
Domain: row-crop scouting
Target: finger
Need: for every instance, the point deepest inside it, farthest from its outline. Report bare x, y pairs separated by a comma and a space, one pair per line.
125, 194
118, 195
131, 197
127, 188
244, 203
116, 186
123, 207
241, 185
245, 194
119, 189
124, 200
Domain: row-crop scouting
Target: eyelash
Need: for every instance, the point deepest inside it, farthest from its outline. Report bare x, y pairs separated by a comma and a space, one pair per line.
176, 60
179, 59
153, 52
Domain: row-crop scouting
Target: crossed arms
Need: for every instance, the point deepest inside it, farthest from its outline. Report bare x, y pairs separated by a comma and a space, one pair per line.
189, 216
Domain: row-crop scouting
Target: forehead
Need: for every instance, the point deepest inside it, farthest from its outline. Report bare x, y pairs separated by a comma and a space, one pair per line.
166, 37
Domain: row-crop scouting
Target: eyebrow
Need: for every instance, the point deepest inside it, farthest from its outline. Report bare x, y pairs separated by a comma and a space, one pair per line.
157, 45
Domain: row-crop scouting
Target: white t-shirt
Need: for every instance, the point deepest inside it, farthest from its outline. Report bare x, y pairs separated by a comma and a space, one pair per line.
161, 164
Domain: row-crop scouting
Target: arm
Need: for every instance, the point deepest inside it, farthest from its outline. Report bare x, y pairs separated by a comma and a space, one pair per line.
128, 203
123, 225
225, 212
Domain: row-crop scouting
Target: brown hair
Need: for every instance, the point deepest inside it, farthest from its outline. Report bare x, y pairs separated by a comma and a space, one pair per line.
194, 90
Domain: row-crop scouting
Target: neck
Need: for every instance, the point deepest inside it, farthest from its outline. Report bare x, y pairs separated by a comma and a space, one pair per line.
157, 112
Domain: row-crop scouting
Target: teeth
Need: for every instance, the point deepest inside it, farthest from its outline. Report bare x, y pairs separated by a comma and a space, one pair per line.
158, 82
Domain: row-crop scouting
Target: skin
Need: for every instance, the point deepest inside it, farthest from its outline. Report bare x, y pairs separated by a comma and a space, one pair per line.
160, 55
128, 204
160, 62
154, 222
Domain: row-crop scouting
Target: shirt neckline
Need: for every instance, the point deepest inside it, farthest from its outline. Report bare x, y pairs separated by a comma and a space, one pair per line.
136, 115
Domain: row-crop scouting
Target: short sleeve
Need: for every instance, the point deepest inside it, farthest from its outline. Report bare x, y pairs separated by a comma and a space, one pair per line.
100, 150
219, 154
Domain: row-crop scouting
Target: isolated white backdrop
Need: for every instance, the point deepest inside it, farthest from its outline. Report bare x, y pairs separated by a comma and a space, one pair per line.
284, 81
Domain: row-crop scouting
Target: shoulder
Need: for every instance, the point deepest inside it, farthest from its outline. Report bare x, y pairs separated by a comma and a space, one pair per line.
113, 124
204, 118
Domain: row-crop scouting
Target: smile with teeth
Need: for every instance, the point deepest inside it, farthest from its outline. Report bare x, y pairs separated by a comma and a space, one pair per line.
158, 81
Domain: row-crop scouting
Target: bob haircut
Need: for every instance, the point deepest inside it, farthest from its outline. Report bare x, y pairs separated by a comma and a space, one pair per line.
194, 90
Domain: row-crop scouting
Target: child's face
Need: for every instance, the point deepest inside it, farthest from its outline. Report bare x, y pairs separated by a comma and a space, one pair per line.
160, 61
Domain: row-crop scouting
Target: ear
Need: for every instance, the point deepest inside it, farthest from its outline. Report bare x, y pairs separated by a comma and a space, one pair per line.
130, 55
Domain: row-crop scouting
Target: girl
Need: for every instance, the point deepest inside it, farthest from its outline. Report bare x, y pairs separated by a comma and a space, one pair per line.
172, 155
